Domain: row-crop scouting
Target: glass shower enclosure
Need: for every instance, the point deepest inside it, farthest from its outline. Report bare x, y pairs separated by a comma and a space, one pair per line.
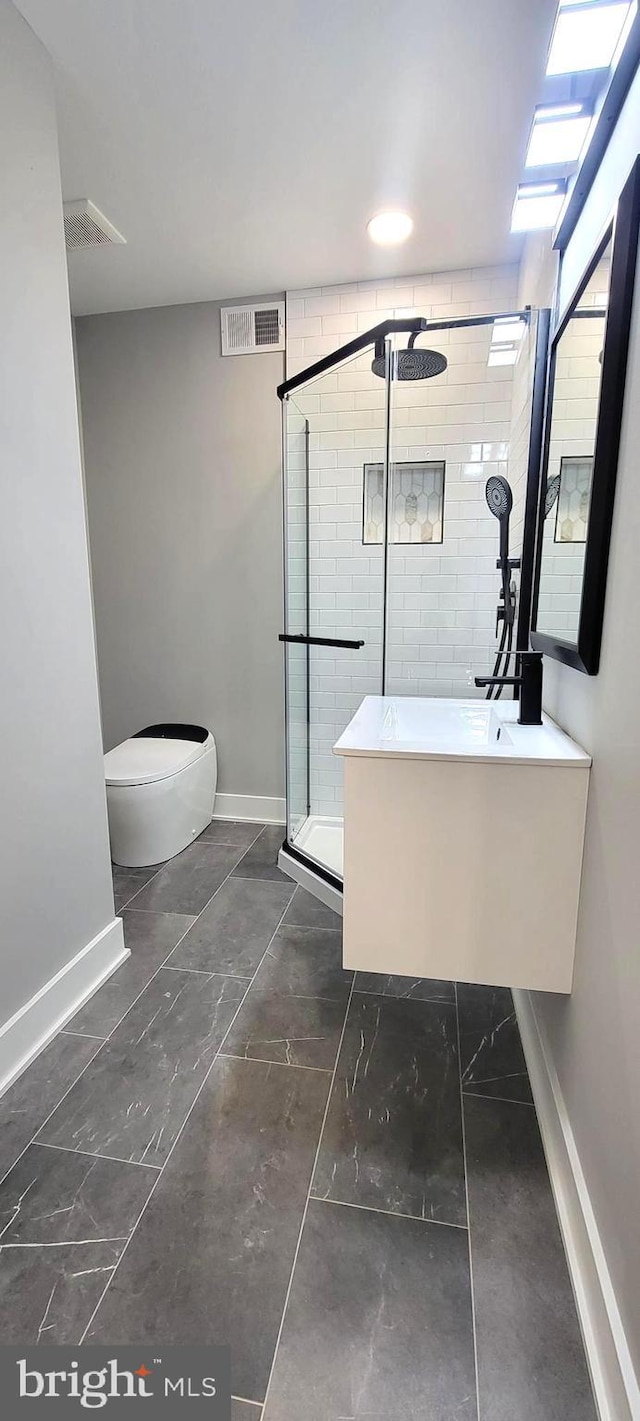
389, 548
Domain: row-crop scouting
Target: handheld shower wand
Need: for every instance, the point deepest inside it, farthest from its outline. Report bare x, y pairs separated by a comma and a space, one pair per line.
528, 673
500, 502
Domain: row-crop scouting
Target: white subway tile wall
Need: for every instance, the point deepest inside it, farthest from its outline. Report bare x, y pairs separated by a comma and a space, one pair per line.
441, 596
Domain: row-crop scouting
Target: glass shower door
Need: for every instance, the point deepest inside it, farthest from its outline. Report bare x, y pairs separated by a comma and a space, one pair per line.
296, 584
390, 548
336, 466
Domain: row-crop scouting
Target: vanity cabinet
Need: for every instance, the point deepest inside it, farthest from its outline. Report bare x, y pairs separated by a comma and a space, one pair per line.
463, 861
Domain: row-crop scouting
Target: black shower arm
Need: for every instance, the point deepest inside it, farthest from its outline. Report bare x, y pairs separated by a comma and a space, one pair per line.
377, 336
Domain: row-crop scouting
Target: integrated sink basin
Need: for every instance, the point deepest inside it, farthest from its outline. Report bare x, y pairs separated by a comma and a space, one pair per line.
463, 845
415, 723
430, 728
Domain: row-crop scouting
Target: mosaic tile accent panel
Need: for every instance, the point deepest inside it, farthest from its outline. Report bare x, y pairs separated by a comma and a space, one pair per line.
417, 503
574, 497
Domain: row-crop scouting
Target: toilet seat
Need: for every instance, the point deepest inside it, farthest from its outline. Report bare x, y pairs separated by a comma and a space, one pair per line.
143, 760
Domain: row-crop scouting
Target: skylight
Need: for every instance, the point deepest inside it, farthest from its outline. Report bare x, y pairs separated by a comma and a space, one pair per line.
503, 355
586, 35
506, 328
537, 206
558, 135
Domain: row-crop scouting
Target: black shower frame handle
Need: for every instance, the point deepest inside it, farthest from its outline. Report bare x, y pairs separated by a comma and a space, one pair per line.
302, 639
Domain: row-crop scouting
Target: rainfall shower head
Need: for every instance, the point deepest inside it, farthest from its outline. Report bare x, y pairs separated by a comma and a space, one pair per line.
500, 502
411, 364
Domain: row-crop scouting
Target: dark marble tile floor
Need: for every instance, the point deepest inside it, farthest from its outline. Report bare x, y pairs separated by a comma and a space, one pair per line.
261, 859
150, 938
234, 930
235, 1141
491, 1056
393, 1134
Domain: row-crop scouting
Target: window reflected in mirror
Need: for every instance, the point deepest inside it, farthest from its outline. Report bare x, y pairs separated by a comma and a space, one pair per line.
577, 378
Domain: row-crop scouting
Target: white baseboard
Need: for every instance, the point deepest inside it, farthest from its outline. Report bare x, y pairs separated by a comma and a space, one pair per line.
26, 1034
262, 809
612, 1373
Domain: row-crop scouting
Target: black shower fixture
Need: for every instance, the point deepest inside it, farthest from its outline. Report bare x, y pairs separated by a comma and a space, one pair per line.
551, 494
410, 364
500, 501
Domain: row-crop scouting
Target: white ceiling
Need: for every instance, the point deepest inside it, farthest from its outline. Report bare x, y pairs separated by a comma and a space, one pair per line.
241, 145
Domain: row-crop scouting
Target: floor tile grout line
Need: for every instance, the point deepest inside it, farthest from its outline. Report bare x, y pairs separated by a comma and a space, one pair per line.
391, 997
64, 1095
213, 842
490, 1080
223, 842
165, 961
501, 1099
291, 1065
66, 1150
299, 927
168, 861
255, 878
179, 1134
306, 1205
231, 874
86, 1035
173, 910
138, 890
299, 996
131, 1004
466, 1193
388, 1213
202, 971
103, 1041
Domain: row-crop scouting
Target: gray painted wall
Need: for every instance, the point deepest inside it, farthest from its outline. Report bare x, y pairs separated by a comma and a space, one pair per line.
593, 1037
182, 467
55, 890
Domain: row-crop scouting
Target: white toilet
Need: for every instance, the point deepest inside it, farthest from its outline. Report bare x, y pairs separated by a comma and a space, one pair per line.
161, 788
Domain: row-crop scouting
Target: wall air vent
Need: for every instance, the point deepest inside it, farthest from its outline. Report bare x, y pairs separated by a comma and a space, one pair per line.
246, 330
86, 226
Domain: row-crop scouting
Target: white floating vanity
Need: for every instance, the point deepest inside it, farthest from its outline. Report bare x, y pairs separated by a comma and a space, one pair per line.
463, 844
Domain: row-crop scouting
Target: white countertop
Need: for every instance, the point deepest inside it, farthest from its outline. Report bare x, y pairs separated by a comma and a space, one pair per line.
434, 728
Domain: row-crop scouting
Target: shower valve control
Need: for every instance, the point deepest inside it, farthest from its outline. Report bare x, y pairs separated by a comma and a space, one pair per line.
507, 614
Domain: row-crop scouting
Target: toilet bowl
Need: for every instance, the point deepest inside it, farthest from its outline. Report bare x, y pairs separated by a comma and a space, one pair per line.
161, 787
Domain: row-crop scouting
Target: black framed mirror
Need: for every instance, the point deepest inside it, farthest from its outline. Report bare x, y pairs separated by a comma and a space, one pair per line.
585, 397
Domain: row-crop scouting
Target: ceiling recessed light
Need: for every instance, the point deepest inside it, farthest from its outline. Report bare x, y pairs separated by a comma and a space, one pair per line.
558, 135
537, 206
586, 35
390, 228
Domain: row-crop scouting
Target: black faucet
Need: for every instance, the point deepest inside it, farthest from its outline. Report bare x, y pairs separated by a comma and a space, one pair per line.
529, 683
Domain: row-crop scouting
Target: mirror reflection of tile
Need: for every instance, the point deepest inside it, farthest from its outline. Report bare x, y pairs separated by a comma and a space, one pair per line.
574, 496
416, 503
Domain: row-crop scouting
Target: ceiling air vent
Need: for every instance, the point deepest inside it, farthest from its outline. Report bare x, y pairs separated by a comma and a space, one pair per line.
250, 329
86, 226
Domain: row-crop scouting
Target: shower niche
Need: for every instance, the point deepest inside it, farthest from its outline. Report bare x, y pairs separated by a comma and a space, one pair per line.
416, 503
389, 548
